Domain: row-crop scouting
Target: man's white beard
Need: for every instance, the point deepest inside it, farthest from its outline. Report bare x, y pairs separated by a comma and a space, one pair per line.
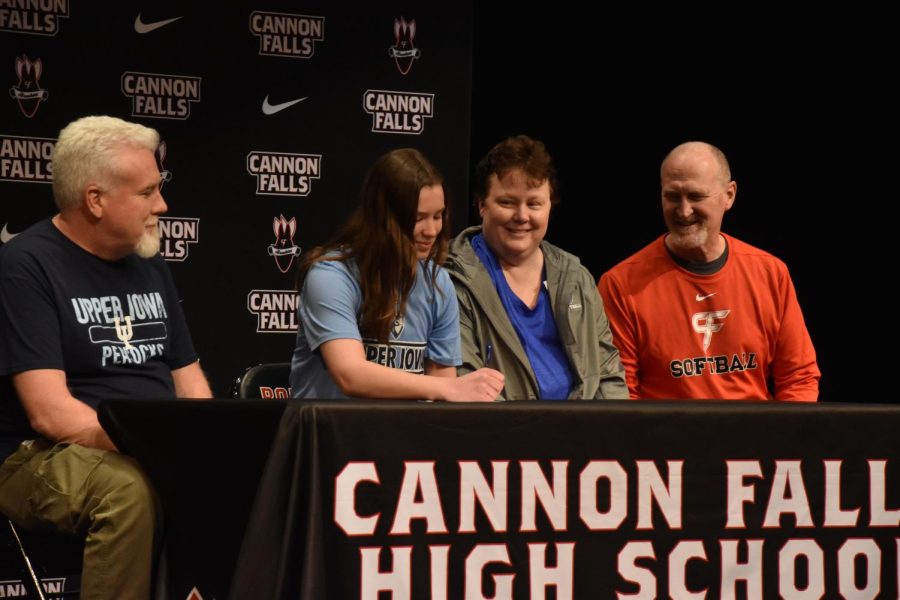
689, 241
149, 244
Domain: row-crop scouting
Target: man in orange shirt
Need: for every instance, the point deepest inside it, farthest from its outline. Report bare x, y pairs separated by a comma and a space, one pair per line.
700, 314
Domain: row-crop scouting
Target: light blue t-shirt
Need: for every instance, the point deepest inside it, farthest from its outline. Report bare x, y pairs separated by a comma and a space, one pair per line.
330, 304
535, 327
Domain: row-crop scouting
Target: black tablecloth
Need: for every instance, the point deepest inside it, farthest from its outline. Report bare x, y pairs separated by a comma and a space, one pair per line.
205, 459
621, 496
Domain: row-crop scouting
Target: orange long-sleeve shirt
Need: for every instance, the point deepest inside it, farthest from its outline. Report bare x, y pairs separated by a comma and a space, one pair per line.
723, 336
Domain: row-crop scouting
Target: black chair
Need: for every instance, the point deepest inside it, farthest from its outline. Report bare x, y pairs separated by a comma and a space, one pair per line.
30, 578
39, 564
266, 381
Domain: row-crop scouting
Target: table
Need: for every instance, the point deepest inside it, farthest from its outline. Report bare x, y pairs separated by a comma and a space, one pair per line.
580, 499
590, 499
205, 459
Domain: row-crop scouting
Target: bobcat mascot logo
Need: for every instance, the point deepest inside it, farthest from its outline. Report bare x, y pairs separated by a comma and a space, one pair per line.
164, 173
28, 92
403, 51
284, 250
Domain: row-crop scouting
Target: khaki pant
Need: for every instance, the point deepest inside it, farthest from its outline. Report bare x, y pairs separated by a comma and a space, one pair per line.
99, 495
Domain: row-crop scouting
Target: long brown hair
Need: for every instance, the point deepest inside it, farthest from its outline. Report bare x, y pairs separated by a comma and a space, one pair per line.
379, 237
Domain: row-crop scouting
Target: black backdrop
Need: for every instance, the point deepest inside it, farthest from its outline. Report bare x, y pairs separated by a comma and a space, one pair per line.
801, 105
235, 103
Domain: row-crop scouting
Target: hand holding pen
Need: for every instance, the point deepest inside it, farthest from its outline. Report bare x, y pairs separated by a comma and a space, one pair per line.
483, 385
489, 364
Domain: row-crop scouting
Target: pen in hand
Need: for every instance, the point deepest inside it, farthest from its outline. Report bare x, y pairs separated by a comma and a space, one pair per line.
489, 363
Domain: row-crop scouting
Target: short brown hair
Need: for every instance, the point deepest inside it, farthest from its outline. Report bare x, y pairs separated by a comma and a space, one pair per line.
517, 152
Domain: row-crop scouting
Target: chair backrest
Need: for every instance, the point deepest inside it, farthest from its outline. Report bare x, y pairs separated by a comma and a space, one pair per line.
38, 564
267, 380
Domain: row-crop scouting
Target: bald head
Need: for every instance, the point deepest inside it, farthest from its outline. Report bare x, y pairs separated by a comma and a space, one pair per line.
697, 191
694, 155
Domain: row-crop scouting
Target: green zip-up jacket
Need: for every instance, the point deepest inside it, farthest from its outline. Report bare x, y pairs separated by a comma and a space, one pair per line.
578, 312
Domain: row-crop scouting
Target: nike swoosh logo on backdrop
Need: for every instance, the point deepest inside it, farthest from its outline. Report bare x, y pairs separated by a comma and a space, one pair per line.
142, 27
271, 109
699, 297
5, 235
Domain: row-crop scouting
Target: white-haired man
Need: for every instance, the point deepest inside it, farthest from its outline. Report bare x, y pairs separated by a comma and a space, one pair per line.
90, 311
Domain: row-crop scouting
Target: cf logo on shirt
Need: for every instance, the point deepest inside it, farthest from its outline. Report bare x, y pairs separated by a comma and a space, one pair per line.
708, 323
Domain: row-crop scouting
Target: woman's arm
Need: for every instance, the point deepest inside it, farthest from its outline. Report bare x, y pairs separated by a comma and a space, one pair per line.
347, 364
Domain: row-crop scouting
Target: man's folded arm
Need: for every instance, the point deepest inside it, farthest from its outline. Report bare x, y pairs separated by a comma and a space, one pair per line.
190, 382
55, 413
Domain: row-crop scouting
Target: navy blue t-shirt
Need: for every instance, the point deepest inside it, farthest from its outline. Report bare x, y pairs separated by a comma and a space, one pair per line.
115, 327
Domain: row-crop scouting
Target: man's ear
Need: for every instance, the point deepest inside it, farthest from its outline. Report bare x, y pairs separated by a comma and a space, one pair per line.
730, 194
93, 200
